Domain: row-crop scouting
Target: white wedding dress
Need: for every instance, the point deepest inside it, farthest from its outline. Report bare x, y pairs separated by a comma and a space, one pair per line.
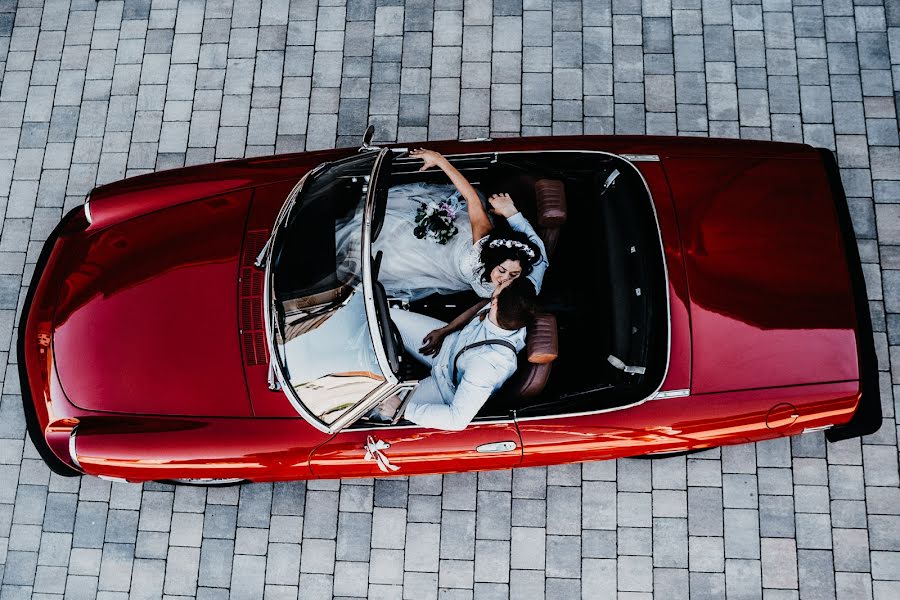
413, 268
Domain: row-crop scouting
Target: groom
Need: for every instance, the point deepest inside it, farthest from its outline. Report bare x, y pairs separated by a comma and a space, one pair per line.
476, 358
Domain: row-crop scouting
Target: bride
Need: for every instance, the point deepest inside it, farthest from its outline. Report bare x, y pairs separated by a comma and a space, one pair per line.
440, 238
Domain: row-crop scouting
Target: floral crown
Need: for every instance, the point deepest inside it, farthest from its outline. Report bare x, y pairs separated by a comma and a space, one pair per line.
525, 248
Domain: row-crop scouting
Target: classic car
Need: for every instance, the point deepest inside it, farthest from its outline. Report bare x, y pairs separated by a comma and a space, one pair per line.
198, 325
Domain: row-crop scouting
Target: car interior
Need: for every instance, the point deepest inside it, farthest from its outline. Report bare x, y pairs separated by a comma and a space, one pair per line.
601, 338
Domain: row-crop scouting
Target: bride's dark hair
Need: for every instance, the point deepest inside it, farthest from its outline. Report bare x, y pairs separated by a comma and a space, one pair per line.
506, 244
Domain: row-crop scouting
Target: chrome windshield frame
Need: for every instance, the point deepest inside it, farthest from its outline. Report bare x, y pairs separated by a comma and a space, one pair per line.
276, 366
368, 282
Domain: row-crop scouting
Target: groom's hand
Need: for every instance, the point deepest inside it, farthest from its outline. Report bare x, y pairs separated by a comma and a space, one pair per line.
432, 342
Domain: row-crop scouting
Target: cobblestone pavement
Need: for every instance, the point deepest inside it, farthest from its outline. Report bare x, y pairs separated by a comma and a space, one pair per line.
93, 92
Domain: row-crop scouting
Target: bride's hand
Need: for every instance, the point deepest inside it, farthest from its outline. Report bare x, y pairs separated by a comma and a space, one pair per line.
431, 158
503, 205
432, 342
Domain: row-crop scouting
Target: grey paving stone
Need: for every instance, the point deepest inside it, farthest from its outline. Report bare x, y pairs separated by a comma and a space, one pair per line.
851, 550
247, 576
635, 541
251, 541
742, 578
422, 547
563, 557
122, 525
283, 563
457, 534
220, 521
151, 544
216, 557
321, 515
705, 512
670, 543
635, 573
388, 528
742, 528
811, 565
182, 571
706, 554
116, 566
811, 498
672, 582
90, 525
779, 564
318, 556
883, 532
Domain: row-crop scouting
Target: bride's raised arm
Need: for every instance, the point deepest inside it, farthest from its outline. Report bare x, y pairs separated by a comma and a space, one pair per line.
481, 223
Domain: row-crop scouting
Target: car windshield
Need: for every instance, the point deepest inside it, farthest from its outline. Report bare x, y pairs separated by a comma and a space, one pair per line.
323, 339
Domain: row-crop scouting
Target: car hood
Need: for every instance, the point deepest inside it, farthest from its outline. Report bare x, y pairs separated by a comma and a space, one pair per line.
770, 295
146, 320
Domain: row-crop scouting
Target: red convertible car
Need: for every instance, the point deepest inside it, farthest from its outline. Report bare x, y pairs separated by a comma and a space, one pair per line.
197, 325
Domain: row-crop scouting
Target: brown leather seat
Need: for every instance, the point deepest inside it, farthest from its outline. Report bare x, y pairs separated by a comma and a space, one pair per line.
541, 349
551, 209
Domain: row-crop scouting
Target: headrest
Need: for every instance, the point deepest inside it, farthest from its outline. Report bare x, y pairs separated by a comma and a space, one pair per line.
542, 342
550, 197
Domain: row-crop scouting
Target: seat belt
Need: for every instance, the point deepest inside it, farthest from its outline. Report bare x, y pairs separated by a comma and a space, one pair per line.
490, 342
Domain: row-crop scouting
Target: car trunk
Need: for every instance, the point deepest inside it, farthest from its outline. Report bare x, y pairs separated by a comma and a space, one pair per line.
771, 301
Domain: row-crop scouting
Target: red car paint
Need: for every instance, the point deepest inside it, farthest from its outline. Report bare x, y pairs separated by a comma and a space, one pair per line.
135, 327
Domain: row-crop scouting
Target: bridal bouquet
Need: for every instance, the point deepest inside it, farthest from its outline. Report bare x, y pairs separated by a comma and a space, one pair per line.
434, 221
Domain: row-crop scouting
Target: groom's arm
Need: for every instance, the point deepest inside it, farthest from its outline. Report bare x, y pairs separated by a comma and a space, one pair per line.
478, 383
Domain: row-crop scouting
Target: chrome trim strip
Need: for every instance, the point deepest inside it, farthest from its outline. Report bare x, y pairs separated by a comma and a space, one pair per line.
87, 210
72, 453
640, 157
815, 429
670, 394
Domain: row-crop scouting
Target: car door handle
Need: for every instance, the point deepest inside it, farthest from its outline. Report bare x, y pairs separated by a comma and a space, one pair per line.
497, 447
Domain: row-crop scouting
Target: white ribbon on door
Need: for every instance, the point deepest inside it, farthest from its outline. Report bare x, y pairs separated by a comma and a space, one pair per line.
374, 452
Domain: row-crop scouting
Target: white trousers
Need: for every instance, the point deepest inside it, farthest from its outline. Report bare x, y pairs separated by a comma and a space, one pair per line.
413, 329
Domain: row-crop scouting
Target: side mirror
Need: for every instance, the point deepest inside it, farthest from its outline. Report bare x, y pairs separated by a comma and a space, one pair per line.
367, 138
